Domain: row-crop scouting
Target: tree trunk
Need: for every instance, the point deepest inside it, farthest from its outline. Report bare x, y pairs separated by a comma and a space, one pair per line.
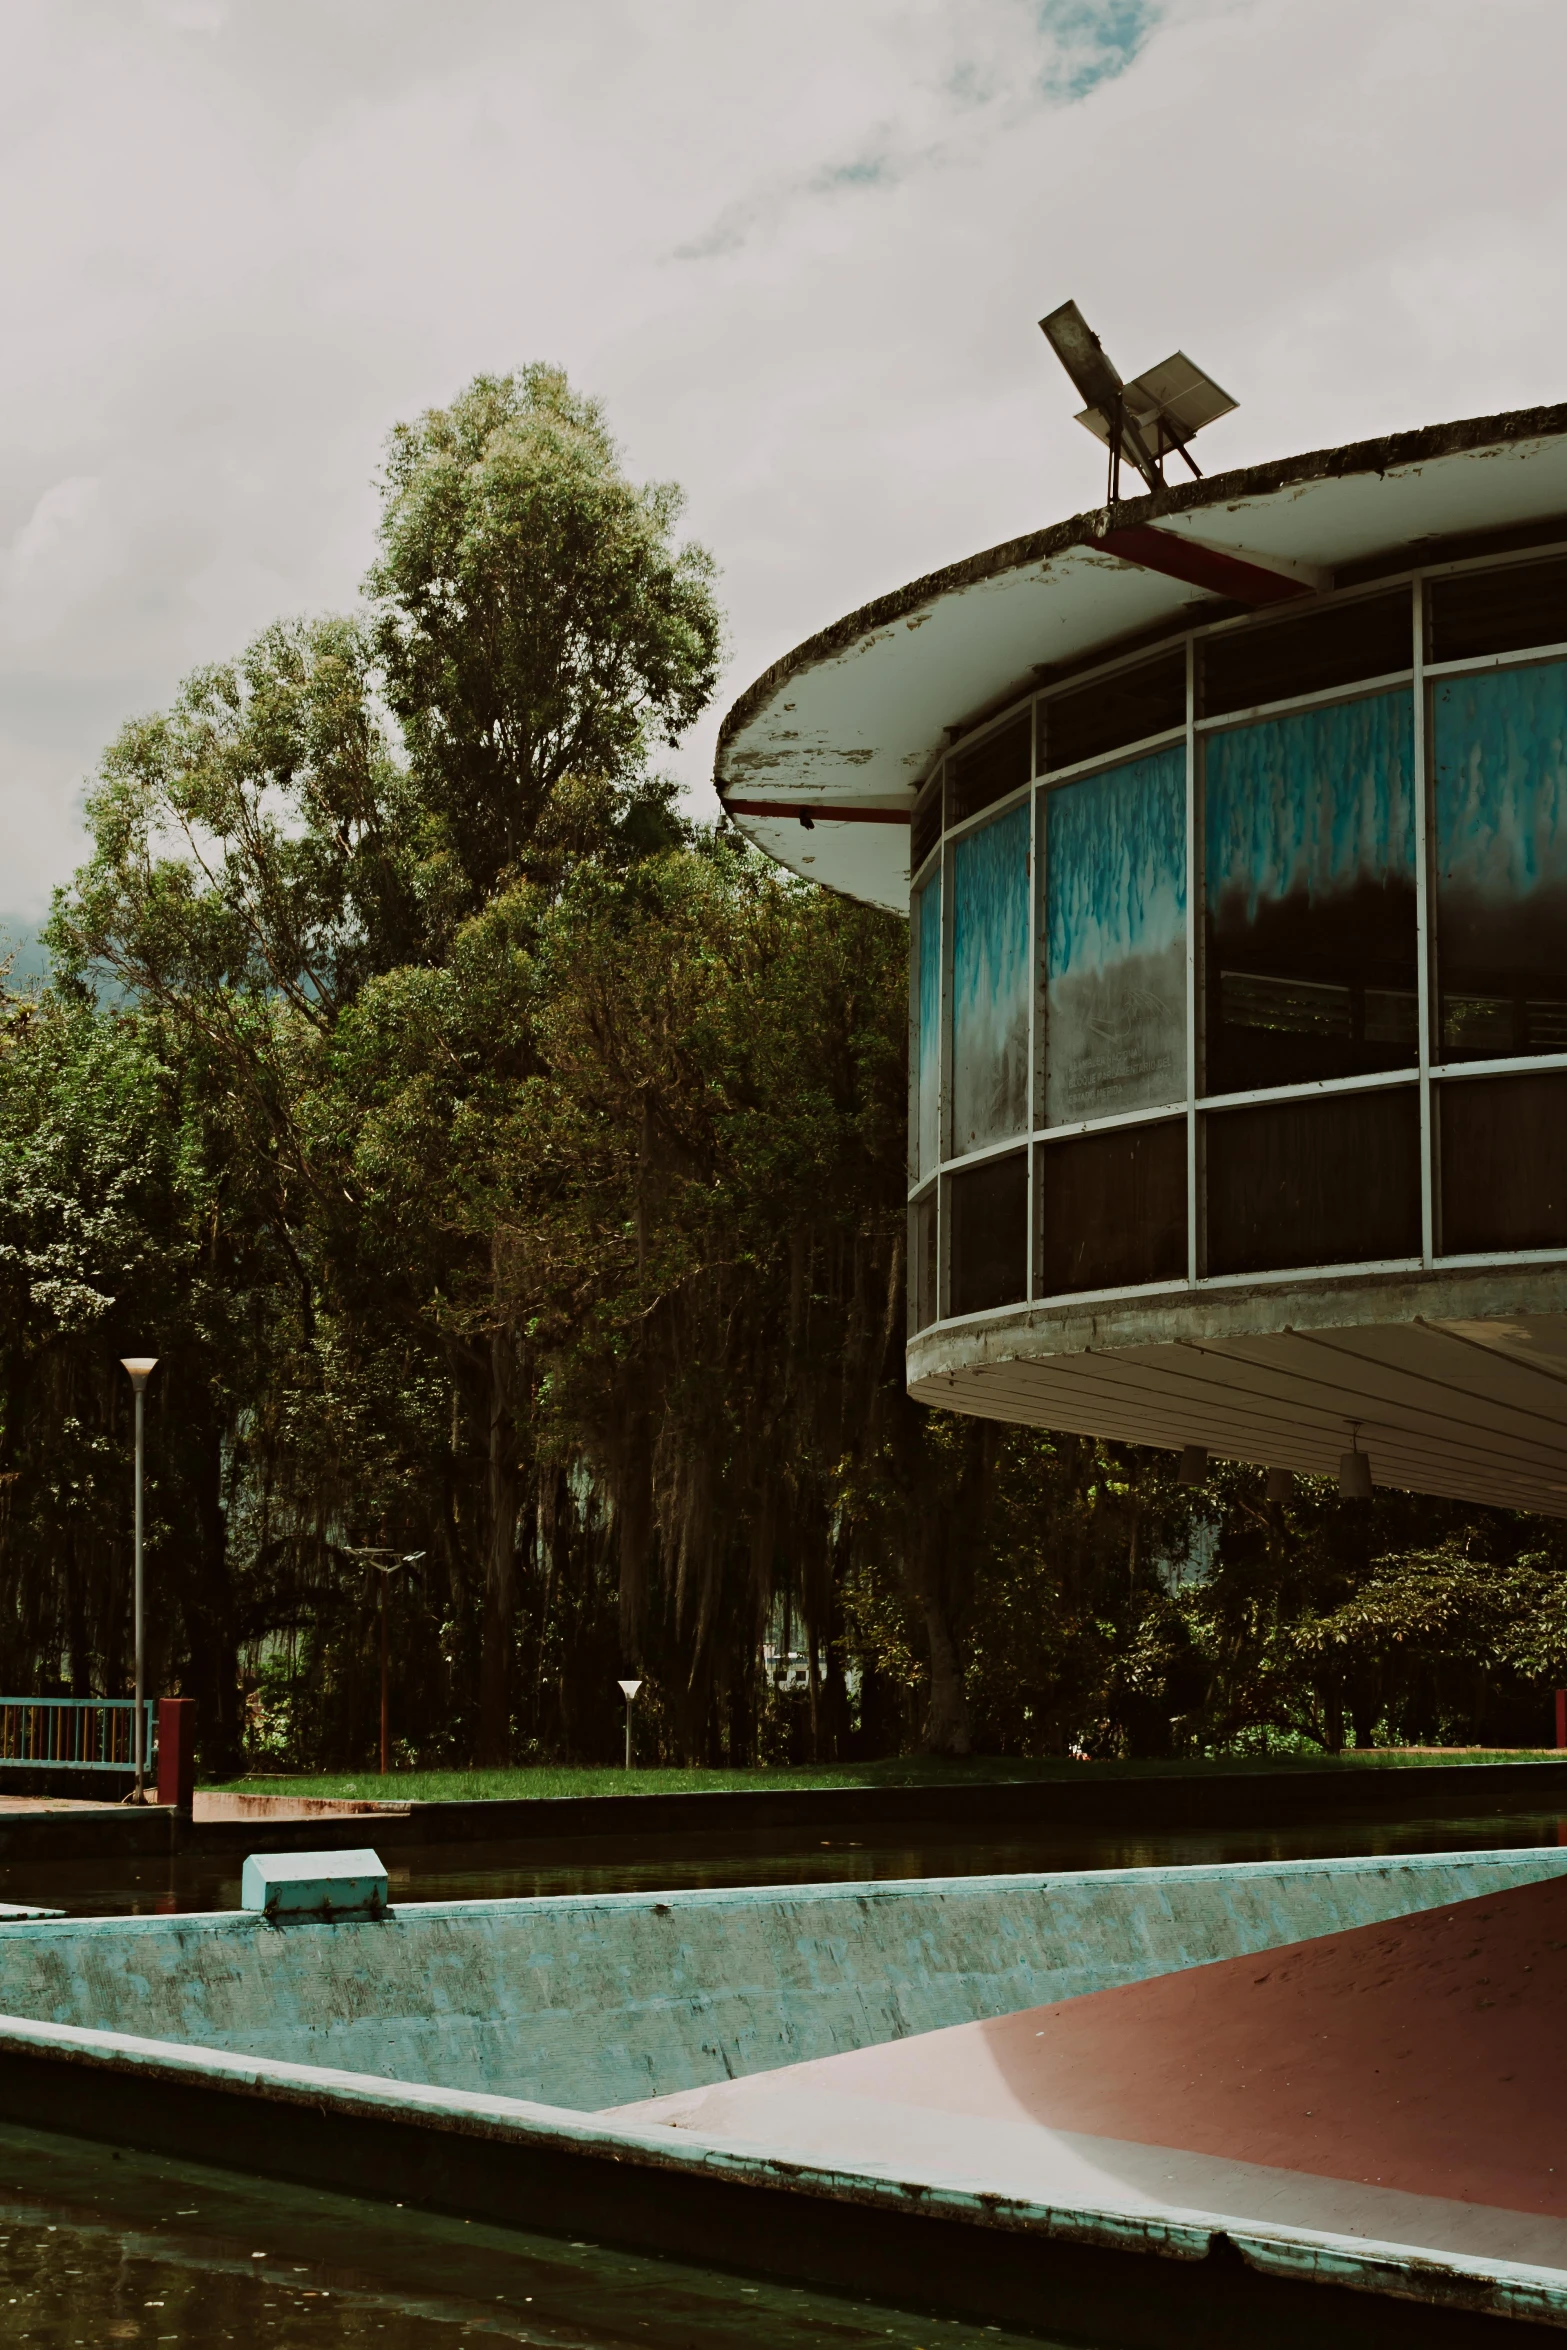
1333, 1718
207, 1605
947, 1722
76, 1621
938, 1547
946, 1728
813, 1678
500, 1557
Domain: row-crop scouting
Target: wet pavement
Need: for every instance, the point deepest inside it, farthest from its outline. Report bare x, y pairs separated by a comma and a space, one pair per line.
98, 2247
488, 1872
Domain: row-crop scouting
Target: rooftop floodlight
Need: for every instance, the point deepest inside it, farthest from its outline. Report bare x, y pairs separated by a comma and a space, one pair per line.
1145, 419
1194, 1465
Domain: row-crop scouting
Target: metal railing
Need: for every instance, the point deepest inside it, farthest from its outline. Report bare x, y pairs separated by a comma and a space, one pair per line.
74, 1733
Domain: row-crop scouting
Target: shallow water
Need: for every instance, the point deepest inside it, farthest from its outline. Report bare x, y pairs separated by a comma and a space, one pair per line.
480, 1872
99, 2247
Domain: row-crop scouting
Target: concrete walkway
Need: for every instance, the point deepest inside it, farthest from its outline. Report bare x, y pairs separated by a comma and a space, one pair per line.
27, 1804
217, 1804
224, 1804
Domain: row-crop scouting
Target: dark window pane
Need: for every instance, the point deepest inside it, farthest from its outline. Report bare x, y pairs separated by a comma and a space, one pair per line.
1276, 659
1335, 1181
1502, 611
925, 829
1501, 858
923, 1291
1309, 864
990, 983
1113, 1209
1503, 1144
1115, 940
1000, 764
987, 1208
1126, 708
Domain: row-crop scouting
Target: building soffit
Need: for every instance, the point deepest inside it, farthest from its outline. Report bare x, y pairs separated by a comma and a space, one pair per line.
855, 717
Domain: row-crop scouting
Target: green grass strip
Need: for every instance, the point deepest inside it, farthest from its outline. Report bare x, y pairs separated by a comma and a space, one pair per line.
546, 1779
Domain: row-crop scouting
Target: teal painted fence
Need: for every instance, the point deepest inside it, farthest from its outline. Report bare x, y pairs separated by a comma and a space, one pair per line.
75, 1733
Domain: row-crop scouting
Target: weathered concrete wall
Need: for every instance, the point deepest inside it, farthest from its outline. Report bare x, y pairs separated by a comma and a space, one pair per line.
601, 2000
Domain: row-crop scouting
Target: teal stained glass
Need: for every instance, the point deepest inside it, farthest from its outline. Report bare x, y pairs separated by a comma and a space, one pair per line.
1115, 940
1500, 744
1310, 805
990, 982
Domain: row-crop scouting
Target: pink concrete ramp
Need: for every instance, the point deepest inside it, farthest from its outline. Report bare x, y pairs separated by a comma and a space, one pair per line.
1405, 2082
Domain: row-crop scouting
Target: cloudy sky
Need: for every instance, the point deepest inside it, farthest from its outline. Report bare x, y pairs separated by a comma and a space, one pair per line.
799, 247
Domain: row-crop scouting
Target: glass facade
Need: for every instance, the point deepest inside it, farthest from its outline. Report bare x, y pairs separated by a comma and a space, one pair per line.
1309, 893
925, 1025
1500, 745
1283, 991
1115, 940
990, 983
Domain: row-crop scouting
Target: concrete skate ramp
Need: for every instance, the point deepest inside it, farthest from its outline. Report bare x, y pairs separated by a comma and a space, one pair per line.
1403, 2081
598, 2001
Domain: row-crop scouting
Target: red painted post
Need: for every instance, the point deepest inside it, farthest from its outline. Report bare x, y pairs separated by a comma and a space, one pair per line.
1561, 1717
177, 1752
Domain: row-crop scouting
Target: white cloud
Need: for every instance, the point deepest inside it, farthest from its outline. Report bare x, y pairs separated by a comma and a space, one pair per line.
798, 247
52, 564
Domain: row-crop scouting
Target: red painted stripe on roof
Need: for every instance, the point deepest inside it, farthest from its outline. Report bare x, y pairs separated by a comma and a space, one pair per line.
1200, 566
819, 811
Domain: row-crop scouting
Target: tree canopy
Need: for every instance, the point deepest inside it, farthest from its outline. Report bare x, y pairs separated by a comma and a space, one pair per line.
506, 1169
533, 615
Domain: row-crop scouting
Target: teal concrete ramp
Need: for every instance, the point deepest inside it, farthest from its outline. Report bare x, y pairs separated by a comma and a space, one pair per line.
601, 2000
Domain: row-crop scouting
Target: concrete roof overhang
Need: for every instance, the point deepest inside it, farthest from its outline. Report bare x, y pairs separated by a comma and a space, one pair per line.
1453, 1382
854, 718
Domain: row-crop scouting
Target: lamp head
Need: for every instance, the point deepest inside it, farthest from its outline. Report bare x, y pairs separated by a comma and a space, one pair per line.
630, 1688
1354, 1475
140, 1367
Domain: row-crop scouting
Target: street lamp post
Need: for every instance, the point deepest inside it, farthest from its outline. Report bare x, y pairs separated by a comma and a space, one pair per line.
140, 1368
629, 1690
386, 1584
386, 1564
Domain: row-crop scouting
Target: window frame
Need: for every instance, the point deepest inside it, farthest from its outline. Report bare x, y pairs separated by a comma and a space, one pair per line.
1427, 1074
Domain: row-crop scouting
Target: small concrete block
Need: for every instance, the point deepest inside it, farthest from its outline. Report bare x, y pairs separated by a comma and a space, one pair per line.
315, 1884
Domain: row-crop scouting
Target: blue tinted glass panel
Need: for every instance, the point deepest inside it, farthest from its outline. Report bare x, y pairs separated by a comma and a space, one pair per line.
1501, 854
1115, 940
925, 1123
1310, 874
990, 983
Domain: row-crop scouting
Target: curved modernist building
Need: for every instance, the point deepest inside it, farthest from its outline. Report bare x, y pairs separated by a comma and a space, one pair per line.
1231, 824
